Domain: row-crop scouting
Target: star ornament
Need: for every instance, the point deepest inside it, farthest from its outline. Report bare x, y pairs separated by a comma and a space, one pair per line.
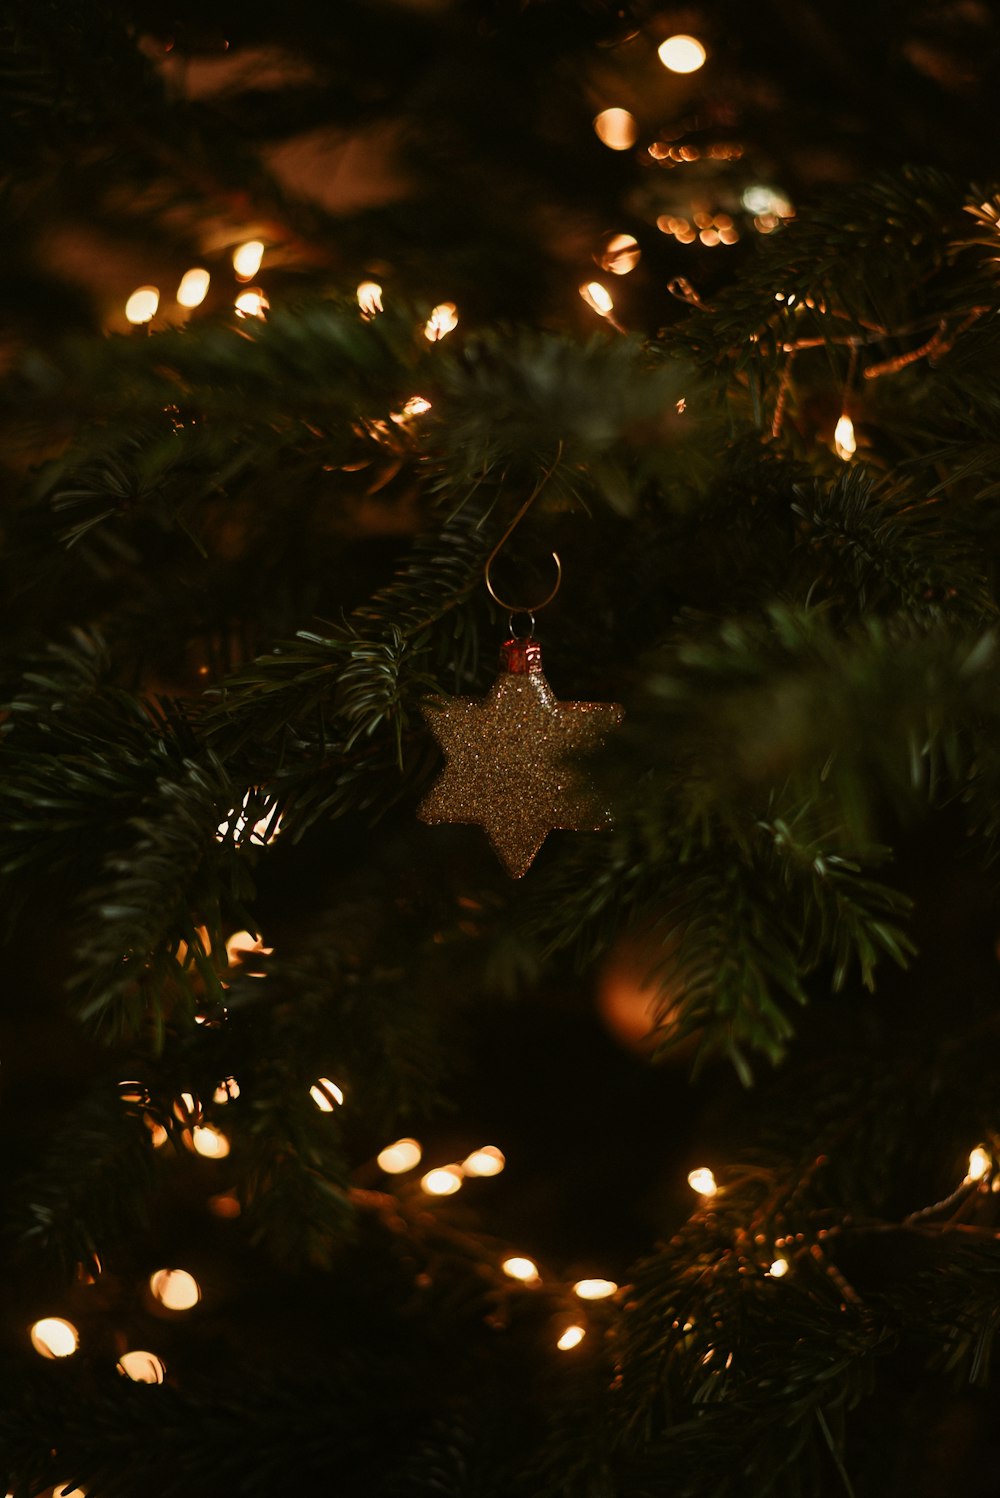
508, 759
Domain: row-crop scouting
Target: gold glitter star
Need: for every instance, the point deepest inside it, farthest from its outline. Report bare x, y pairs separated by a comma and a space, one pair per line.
507, 759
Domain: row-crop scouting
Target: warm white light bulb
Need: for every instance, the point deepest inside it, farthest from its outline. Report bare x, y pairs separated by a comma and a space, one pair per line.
778, 1268
175, 1289
597, 297
400, 1157
211, 1143
621, 254
843, 438
194, 287
571, 1337
247, 258
443, 319
142, 1367
703, 1181
227, 1089
252, 303
979, 1164
54, 1337
616, 129
369, 296
519, 1268
142, 304
682, 54
444, 1181
594, 1289
488, 1161
326, 1094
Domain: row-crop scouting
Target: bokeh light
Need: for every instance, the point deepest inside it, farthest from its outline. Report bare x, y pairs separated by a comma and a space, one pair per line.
142, 1367
616, 129
519, 1268
142, 304
247, 259
703, 1181
194, 287
175, 1289
54, 1337
326, 1094
399, 1157
571, 1337
443, 1181
682, 54
594, 1289
488, 1161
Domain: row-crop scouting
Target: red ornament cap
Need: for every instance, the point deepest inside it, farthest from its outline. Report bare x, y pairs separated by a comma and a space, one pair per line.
521, 657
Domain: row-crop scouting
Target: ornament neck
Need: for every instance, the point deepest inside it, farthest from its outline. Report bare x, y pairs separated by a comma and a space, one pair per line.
521, 657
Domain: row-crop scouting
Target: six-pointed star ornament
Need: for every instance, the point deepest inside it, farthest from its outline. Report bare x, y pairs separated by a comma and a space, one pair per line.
508, 759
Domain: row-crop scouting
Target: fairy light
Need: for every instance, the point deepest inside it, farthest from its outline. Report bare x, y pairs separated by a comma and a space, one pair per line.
175, 1289
227, 1089
186, 1108
142, 1367
243, 945
157, 1133
54, 1337
399, 1157
225, 1205
594, 1289
369, 295
682, 54
444, 1181
778, 1269
265, 829
703, 1181
598, 298
519, 1268
247, 258
979, 1164
443, 320
759, 199
488, 1161
621, 254
252, 303
843, 438
616, 129
571, 1337
210, 1142
326, 1094
142, 304
415, 406
194, 287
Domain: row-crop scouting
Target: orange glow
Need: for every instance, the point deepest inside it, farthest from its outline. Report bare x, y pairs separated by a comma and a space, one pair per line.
54, 1337
247, 259
621, 254
142, 1367
682, 54
227, 1089
194, 287
594, 1289
488, 1161
142, 304
703, 1181
252, 303
518, 1268
979, 1164
444, 1181
443, 320
226, 1205
597, 297
211, 1143
844, 439
571, 1337
175, 1289
778, 1269
616, 129
326, 1094
397, 1158
369, 296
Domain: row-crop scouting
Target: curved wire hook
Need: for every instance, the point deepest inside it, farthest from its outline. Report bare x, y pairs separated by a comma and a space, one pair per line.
522, 608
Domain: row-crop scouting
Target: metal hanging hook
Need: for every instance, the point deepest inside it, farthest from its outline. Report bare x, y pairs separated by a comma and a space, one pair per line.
521, 608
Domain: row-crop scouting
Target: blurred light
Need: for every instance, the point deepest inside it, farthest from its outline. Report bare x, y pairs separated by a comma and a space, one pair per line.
265, 829
843, 438
157, 1133
397, 1158
488, 1161
443, 319
682, 54
621, 254
598, 297
444, 1181
979, 1164
415, 406
247, 258
175, 1289
142, 1367
616, 129
225, 1205
193, 288
766, 200
326, 1094
54, 1337
370, 298
778, 1268
571, 1337
243, 944
186, 1108
518, 1268
211, 1143
594, 1289
252, 303
142, 304
703, 1181
68, 1492
227, 1089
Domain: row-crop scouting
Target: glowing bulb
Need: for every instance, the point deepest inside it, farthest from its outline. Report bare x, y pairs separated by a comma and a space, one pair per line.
571, 1337
778, 1268
240, 946
186, 1108
227, 1089
54, 1337
703, 1181
175, 1289
979, 1164
616, 129
157, 1133
252, 303
682, 54
594, 1289
488, 1161
211, 1143
443, 319
759, 199
621, 254
225, 1205
326, 1094
597, 297
142, 304
397, 1158
518, 1268
444, 1181
193, 288
264, 830
415, 406
369, 296
142, 1367
844, 439
247, 258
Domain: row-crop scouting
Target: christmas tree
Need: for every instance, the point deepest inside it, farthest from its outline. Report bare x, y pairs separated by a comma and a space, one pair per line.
345, 348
